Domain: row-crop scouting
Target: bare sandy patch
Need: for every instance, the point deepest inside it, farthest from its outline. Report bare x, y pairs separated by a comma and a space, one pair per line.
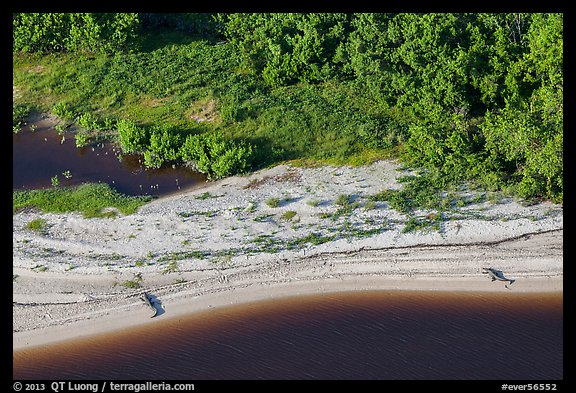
203, 111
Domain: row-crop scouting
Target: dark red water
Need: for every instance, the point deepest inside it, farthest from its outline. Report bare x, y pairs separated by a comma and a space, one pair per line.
40, 155
378, 335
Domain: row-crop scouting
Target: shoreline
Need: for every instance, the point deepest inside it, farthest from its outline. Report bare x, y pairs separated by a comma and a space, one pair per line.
110, 316
111, 323
222, 245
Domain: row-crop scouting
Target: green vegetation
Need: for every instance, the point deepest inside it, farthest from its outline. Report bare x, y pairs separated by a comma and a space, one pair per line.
206, 195
40, 268
82, 32
208, 214
277, 202
263, 217
135, 283
273, 202
172, 267
423, 191
288, 215
38, 225
176, 256
344, 200
19, 115
313, 238
370, 205
90, 199
215, 155
55, 181
468, 97
313, 202
431, 222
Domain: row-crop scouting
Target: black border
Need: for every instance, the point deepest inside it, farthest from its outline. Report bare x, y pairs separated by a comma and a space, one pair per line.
359, 6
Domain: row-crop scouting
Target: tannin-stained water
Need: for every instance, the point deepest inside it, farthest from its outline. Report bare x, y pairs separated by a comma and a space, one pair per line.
380, 335
40, 155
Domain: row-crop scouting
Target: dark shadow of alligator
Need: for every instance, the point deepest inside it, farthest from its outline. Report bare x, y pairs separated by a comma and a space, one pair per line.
495, 274
154, 303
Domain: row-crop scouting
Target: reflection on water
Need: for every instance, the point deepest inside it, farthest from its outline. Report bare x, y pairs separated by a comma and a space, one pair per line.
360, 335
40, 155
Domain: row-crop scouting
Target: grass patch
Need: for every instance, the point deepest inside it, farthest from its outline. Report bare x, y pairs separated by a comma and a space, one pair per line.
287, 216
263, 217
91, 199
177, 256
344, 200
430, 222
346, 205
135, 283
207, 214
223, 258
419, 192
207, 195
277, 202
313, 238
172, 267
313, 202
370, 205
40, 268
37, 225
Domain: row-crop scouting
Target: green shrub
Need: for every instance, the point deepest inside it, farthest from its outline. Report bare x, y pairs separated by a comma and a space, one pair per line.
88, 121
132, 137
83, 32
82, 139
164, 146
19, 115
215, 155
63, 111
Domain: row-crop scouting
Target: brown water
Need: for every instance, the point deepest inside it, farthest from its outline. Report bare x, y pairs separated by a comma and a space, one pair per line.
356, 335
38, 156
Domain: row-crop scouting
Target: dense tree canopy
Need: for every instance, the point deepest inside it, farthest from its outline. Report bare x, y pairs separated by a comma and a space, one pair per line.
485, 90
85, 32
469, 95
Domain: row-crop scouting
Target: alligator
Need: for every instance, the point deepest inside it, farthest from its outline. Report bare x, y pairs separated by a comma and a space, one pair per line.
148, 300
496, 275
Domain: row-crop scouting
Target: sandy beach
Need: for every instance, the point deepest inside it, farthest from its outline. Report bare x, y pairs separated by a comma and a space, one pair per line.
278, 232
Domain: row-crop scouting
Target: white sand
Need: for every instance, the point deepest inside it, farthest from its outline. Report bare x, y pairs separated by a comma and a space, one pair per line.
193, 253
